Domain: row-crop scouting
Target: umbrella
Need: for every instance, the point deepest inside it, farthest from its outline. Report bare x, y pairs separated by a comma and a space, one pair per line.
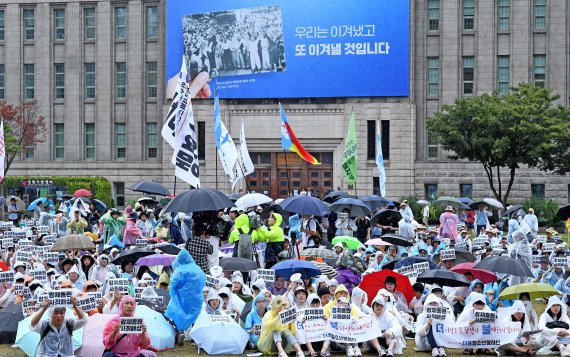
443, 278
199, 199
448, 201
319, 253
145, 201
154, 303
132, 255
28, 341
235, 196
156, 259
512, 209
484, 275
400, 263
72, 242
423, 202
287, 268
386, 217
487, 201
34, 204
160, 331
505, 265
374, 201
335, 195
252, 200
377, 242
373, 282
351, 242
218, 337
356, 207
466, 200
564, 212
151, 188
99, 205
397, 239
461, 256
93, 347
238, 264
21, 204
169, 249
326, 269
536, 291
10, 316
305, 205
246, 310
82, 192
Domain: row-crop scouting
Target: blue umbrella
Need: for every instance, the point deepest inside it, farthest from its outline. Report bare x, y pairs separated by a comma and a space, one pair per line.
355, 206
218, 338
34, 204
375, 201
466, 200
160, 331
400, 263
305, 205
287, 268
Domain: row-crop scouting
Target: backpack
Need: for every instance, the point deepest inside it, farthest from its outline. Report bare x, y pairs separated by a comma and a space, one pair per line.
245, 244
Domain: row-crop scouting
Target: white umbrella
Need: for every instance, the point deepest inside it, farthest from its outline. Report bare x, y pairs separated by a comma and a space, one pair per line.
216, 336
422, 202
252, 200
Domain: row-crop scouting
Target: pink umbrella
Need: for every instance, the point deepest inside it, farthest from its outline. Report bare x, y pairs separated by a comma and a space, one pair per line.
484, 275
82, 193
156, 259
93, 336
377, 241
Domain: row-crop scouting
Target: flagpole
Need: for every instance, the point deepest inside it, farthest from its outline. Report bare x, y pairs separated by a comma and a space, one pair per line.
215, 93
287, 171
174, 192
243, 175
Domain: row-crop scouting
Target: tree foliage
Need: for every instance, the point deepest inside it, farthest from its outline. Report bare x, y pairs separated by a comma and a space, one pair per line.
505, 132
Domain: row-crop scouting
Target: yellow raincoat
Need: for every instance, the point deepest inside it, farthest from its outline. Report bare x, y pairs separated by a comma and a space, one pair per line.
271, 323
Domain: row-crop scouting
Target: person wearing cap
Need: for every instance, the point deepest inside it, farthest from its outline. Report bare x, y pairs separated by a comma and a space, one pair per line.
341, 299
406, 211
424, 338
77, 224
532, 222
113, 223
391, 341
274, 336
448, 222
55, 332
477, 303
300, 298
482, 217
324, 294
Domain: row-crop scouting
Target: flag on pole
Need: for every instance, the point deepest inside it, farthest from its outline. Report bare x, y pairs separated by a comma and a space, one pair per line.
244, 165
380, 162
176, 110
349, 164
289, 141
224, 142
2, 151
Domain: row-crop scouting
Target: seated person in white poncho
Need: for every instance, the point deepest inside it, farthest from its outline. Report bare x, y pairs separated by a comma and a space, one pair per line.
523, 344
554, 324
391, 341
424, 332
476, 303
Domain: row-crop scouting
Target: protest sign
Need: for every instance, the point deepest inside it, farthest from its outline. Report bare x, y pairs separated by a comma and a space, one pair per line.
421, 267
211, 282
485, 316
460, 245
40, 275
42, 297
536, 259
23, 256
479, 241
51, 257
138, 292
548, 247
60, 297
311, 330
313, 313
257, 329
118, 284
361, 330
541, 238
340, 313
141, 242
447, 254
407, 270
97, 295
266, 274
478, 335
49, 239
7, 243
88, 303
131, 325
25, 243
287, 316
560, 261
18, 289
29, 307
220, 319
43, 229
436, 313
6, 277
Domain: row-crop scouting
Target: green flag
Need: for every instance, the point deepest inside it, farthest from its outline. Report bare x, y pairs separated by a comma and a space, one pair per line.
349, 156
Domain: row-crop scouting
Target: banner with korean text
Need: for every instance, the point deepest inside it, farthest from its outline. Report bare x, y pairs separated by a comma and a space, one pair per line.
478, 335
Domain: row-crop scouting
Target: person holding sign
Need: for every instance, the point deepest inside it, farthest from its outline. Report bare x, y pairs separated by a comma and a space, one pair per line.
56, 332
10, 295
555, 325
476, 304
524, 343
391, 341
254, 319
124, 345
273, 332
424, 331
341, 299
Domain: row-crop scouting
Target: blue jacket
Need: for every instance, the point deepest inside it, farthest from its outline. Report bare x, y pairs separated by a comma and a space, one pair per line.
253, 319
186, 285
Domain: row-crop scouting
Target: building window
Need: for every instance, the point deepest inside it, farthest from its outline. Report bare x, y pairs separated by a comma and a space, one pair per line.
59, 141
430, 191
371, 140
468, 14
385, 132
433, 15
1, 81
2, 33
29, 152
89, 80
59, 24
151, 79
537, 191
29, 24
151, 22
466, 190
29, 81
433, 76
152, 140
120, 23
433, 146
89, 21
119, 193
121, 80
539, 70
59, 81
201, 140
89, 141
468, 75
121, 140
504, 14
503, 73
539, 14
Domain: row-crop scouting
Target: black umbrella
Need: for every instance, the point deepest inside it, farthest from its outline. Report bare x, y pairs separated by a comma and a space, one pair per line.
505, 265
200, 199
10, 316
375, 201
132, 255
67, 196
443, 278
397, 239
404, 262
169, 249
512, 209
564, 212
99, 205
335, 195
461, 256
235, 196
151, 188
237, 264
386, 217
154, 303
246, 310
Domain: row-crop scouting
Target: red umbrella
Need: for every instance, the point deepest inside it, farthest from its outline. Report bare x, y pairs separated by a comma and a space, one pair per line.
82, 193
372, 283
484, 275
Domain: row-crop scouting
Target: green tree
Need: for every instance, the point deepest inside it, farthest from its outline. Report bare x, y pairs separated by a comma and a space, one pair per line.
505, 132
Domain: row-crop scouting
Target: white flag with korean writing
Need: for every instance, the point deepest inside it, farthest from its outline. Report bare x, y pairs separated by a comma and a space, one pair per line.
178, 107
2, 151
224, 143
244, 165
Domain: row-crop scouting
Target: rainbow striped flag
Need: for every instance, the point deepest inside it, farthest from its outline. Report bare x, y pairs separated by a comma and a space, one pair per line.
290, 142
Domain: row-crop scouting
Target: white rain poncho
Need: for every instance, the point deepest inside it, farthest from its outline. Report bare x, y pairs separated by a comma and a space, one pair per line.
549, 336
422, 327
521, 251
387, 322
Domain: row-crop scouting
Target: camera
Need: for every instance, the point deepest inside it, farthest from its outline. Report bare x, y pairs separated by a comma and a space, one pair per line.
254, 220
